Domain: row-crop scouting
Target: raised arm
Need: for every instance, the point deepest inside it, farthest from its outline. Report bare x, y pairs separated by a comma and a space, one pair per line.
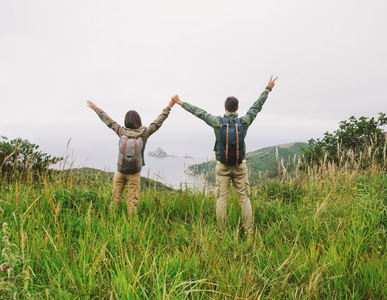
198, 112
257, 106
117, 128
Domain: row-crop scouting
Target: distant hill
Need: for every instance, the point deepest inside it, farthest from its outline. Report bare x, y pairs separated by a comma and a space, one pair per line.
96, 176
260, 162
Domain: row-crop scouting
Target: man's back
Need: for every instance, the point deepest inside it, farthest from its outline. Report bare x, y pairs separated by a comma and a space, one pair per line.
216, 121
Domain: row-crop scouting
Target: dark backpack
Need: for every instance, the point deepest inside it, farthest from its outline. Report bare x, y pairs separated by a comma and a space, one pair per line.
129, 155
232, 142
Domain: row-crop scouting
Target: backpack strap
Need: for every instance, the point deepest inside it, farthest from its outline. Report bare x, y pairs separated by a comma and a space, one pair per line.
135, 155
227, 142
123, 154
237, 143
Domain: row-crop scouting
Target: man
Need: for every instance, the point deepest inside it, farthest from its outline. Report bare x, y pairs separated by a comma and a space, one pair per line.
225, 174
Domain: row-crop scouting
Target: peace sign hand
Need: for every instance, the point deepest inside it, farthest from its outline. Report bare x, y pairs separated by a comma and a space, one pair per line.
271, 83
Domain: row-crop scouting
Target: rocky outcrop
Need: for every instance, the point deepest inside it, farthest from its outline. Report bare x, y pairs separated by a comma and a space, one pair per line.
159, 153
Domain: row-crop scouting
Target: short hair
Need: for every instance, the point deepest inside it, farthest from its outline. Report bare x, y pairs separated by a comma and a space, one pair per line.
132, 120
231, 104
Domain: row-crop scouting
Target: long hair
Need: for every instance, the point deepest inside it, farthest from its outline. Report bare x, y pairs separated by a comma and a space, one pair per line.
132, 120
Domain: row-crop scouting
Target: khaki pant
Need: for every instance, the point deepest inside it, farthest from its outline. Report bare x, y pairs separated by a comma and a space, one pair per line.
238, 176
119, 181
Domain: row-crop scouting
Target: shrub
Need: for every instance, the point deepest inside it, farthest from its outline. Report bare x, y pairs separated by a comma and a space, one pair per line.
357, 141
20, 155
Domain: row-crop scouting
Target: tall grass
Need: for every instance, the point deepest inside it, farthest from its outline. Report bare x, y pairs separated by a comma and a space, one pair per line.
318, 234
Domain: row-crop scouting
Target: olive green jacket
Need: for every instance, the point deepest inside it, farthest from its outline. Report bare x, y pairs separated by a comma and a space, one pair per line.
143, 132
216, 121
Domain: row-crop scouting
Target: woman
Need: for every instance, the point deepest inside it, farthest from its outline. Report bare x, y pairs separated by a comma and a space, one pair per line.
133, 130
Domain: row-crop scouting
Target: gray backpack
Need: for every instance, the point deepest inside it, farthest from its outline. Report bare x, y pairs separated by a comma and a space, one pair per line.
129, 155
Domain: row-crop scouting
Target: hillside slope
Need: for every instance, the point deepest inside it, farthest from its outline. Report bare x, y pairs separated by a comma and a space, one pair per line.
98, 177
259, 162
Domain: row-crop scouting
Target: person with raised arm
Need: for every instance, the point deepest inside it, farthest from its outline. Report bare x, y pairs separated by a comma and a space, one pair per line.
230, 132
133, 138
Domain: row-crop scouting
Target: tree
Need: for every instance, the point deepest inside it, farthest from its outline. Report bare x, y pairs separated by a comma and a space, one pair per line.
361, 141
21, 155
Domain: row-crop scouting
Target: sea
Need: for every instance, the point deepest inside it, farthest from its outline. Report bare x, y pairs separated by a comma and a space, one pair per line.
170, 171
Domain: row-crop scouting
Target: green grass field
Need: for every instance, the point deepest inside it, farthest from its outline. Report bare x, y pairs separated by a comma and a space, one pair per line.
320, 235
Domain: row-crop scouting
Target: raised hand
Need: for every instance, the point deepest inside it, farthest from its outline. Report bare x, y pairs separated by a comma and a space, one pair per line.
177, 100
171, 104
271, 83
91, 105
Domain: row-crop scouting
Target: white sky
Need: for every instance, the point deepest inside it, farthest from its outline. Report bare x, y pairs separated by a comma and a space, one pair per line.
330, 57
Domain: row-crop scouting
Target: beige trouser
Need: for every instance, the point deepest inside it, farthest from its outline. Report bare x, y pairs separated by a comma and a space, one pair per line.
119, 181
238, 176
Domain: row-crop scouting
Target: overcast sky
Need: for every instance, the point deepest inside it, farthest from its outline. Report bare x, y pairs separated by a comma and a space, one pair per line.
330, 57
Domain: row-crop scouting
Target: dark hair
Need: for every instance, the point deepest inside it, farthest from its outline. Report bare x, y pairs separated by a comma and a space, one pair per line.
132, 120
231, 104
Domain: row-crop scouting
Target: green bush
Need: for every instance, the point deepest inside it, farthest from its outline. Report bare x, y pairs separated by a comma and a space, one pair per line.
358, 141
21, 156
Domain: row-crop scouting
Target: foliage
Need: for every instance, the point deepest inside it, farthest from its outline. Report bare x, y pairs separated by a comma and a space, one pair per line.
320, 235
357, 141
21, 155
272, 162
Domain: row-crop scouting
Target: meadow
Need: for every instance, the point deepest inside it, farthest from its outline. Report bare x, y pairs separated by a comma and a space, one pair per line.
319, 234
